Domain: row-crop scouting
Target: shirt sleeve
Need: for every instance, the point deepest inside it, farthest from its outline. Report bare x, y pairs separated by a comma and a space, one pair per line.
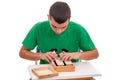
85, 42
30, 40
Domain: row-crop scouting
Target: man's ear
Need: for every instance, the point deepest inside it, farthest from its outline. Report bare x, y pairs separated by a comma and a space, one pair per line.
49, 17
68, 19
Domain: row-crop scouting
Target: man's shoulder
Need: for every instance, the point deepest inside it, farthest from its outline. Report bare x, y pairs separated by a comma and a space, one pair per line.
42, 23
75, 25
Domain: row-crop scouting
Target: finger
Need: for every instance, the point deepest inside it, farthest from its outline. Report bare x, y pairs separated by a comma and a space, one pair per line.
70, 58
66, 57
52, 56
61, 56
45, 58
49, 58
62, 53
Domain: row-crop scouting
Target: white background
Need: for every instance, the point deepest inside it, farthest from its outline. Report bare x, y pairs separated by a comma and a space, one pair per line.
101, 18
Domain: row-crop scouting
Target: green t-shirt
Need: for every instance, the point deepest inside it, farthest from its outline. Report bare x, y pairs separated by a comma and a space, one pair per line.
74, 38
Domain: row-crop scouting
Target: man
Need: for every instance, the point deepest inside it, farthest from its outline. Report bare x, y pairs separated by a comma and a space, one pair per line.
58, 33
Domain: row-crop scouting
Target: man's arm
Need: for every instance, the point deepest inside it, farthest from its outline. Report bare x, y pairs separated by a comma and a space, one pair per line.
87, 55
27, 54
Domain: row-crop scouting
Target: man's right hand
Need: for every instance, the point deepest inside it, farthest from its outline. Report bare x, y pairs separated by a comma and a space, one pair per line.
49, 56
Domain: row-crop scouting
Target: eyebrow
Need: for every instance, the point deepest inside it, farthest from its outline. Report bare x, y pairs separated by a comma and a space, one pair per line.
56, 26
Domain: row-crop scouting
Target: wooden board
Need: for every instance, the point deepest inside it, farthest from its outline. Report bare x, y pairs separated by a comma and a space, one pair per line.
83, 70
89, 78
66, 66
44, 72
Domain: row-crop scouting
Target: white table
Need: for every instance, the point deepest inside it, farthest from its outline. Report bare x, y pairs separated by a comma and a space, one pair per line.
82, 70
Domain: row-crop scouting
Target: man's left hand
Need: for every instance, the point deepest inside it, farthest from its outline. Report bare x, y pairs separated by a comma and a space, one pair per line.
64, 56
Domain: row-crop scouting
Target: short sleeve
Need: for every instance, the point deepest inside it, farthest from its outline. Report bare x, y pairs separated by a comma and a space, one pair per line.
30, 40
85, 42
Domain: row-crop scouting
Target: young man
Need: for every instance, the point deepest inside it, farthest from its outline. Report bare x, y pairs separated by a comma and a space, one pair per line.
58, 33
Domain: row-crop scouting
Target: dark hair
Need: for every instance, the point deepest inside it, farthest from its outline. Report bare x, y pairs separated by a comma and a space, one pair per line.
60, 11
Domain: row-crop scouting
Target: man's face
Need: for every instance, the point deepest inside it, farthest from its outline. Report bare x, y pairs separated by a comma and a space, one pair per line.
58, 28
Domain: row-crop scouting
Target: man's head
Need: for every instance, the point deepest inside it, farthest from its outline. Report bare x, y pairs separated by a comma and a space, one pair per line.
60, 11
59, 16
